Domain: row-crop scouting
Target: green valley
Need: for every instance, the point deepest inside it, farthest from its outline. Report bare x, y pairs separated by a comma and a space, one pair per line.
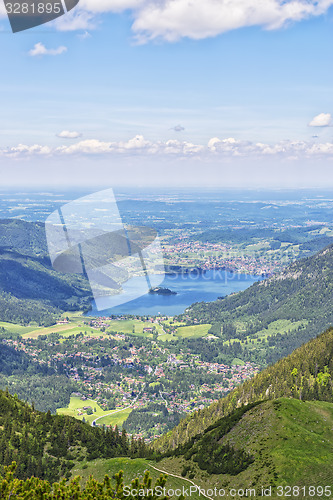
227, 394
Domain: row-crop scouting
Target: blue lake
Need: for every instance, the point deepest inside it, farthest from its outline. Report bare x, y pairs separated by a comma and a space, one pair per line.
190, 288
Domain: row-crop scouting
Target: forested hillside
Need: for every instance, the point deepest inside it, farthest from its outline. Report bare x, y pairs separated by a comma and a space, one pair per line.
46, 446
33, 381
306, 374
30, 290
302, 236
28, 238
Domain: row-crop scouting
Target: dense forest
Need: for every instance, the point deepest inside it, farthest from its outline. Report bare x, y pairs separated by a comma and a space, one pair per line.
306, 374
30, 290
33, 381
46, 446
154, 415
298, 236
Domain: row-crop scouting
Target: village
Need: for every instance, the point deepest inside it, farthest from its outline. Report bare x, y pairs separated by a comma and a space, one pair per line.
123, 371
207, 256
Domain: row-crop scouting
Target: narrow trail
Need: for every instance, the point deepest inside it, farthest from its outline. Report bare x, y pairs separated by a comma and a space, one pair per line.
181, 477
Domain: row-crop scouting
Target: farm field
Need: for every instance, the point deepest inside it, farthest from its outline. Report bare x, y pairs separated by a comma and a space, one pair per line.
66, 329
167, 336
76, 404
118, 417
86, 330
193, 331
14, 328
128, 327
237, 362
76, 325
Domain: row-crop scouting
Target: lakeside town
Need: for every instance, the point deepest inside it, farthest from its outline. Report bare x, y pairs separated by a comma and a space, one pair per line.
186, 252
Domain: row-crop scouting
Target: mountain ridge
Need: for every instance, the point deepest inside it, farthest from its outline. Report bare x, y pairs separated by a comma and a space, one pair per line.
289, 441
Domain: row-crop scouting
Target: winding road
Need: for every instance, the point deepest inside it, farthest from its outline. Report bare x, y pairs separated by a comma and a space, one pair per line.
93, 423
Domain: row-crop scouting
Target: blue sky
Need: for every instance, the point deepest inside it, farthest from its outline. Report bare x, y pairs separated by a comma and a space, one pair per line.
196, 103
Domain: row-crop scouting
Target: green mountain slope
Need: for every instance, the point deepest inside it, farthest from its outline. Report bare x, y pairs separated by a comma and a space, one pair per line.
47, 446
30, 290
305, 374
290, 442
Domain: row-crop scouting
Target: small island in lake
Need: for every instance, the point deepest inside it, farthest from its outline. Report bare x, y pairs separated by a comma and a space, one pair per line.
158, 290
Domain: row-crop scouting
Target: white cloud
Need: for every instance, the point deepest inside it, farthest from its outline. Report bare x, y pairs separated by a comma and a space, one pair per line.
325, 149
213, 143
24, 150
76, 20
172, 20
196, 19
87, 147
216, 149
66, 134
321, 120
40, 50
138, 142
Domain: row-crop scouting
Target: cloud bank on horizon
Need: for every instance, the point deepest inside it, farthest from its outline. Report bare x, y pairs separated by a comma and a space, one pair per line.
172, 20
216, 149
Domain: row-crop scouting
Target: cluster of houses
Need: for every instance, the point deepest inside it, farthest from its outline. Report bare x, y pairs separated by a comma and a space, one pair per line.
219, 256
88, 374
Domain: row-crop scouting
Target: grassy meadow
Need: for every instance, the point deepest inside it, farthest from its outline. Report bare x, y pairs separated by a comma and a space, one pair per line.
132, 469
109, 417
194, 331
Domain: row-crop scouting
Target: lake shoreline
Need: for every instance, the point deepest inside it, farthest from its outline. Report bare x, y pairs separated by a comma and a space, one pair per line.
189, 288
